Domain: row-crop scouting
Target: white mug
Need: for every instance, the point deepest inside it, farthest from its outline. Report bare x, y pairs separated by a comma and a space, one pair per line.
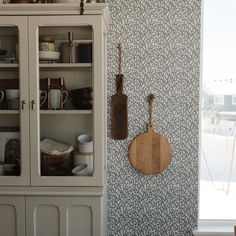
45, 95
13, 98
2, 96
12, 93
56, 98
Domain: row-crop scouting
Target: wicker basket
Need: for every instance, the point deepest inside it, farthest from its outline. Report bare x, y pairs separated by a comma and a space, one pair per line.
48, 160
53, 153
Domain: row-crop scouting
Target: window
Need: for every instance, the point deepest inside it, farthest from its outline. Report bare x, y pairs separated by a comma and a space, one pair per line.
219, 100
234, 99
218, 123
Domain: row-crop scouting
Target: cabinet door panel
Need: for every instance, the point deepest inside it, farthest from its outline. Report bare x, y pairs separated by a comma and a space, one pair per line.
12, 216
79, 219
80, 114
14, 112
47, 220
67, 216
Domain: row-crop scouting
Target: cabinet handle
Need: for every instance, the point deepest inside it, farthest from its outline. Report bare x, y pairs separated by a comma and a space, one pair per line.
23, 105
33, 105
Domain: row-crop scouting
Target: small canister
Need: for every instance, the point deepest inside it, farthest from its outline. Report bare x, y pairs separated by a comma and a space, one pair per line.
65, 53
83, 158
85, 52
47, 43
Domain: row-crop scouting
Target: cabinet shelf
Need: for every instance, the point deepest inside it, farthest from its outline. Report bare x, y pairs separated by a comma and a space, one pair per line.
8, 66
65, 65
50, 112
66, 112
9, 112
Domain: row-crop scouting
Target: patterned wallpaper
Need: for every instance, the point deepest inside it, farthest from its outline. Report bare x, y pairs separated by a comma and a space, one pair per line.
161, 40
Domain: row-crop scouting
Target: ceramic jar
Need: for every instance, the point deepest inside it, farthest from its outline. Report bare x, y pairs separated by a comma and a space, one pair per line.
47, 43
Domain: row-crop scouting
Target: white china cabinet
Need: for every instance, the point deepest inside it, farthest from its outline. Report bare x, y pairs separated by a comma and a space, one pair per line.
39, 197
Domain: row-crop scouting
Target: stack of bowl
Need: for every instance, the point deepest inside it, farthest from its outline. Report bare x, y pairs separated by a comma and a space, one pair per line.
85, 143
82, 98
47, 49
83, 158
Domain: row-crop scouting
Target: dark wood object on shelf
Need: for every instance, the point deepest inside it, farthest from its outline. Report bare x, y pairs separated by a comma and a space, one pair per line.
119, 107
82, 98
22, 1
9, 83
55, 83
150, 153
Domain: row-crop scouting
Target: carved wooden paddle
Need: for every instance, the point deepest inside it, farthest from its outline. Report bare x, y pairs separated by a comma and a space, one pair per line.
150, 152
119, 107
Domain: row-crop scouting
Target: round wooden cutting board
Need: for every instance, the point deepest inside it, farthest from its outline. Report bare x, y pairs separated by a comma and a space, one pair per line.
150, 153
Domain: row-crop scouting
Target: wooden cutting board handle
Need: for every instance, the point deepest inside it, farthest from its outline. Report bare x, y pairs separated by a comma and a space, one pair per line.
119, 83
119, 106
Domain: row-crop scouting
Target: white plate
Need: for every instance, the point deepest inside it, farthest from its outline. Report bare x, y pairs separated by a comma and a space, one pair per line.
49, 55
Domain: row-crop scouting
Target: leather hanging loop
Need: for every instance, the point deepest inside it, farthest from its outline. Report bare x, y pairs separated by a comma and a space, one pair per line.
150, 100
120, 58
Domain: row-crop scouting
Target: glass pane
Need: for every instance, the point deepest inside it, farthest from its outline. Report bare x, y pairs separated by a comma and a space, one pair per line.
65, 61
10, 151
218, 141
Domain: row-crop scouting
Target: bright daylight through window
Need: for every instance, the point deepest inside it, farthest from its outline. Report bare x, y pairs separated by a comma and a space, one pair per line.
218, 116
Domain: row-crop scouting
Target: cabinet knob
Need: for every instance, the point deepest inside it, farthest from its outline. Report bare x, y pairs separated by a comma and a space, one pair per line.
23, 105
33, 105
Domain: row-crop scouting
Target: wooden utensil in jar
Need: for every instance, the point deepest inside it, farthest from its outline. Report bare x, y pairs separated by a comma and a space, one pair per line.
150, 153
70, 39
119, 107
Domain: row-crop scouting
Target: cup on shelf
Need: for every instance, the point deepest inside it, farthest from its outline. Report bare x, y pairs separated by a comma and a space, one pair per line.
83, 158
12, 99
85, 143
58, 98
43, 97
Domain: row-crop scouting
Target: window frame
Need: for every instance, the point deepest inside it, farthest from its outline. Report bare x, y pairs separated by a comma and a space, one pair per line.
208, 227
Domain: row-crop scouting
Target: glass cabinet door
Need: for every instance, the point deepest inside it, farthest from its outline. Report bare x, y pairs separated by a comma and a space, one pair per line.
66, 96
14, 114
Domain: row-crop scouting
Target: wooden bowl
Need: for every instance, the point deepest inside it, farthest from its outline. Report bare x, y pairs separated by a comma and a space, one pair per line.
53, 160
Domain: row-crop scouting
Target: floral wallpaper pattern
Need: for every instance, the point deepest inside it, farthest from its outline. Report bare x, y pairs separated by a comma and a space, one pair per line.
161, 41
